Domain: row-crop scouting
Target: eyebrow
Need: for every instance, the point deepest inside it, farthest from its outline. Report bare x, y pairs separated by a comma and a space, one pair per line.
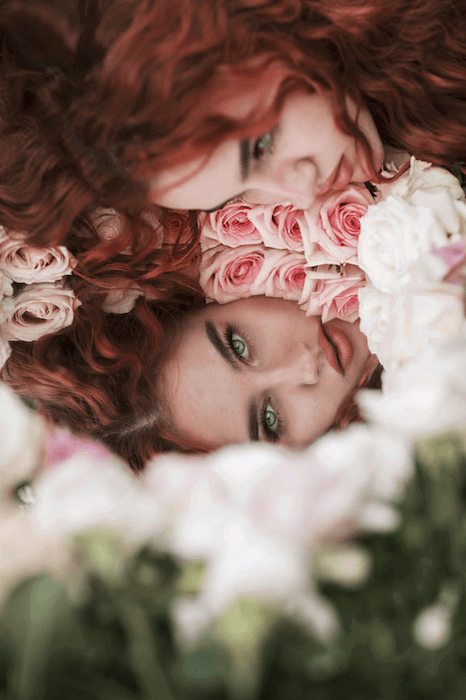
252, 421
244, 158
245, 166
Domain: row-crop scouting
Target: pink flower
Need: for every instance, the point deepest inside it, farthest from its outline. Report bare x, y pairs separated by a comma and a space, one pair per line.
108, 223
287, 279
336, 297
62, 445
290, 222
280, 225
335, 223
230, 226
40, 309
25, 263
227, 273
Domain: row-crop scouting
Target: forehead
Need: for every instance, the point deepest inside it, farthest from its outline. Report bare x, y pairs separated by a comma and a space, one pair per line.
209, 179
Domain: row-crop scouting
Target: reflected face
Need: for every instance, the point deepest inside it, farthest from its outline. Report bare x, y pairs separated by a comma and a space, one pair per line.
260, 369
305, 154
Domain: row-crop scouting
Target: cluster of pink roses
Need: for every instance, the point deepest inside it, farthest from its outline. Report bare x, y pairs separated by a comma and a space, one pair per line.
308, 256
36, 300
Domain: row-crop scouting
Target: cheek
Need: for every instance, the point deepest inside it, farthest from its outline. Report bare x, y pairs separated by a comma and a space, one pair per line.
315, 414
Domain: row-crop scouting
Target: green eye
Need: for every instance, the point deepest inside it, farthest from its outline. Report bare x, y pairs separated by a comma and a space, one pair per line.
270, 419
262, 144
239, 346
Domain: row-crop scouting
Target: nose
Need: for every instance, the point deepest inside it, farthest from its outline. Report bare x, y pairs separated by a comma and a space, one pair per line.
301, 365
293, 181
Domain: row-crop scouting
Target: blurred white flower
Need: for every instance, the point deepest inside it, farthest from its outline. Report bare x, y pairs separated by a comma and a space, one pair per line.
92, 489
22, 440
432, 628
346, 564
427, 396
317, 614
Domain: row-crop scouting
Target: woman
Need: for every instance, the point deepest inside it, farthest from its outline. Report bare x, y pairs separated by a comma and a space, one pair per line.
175, 374
133, 102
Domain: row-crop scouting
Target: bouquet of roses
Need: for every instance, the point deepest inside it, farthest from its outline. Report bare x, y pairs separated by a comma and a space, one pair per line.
277, 250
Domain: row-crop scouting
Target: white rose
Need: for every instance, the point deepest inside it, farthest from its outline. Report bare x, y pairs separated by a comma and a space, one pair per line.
427, 178
40, 309
374, 312
394, 234
25, 263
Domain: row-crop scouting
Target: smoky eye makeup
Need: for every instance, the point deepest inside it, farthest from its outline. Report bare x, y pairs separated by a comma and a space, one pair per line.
239, 343
271, 422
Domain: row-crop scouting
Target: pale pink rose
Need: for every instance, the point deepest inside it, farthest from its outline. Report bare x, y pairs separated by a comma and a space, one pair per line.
40, 309
108, 222
22, 262
287, 279
230, 226
227, 273
280, 225
335, 223
336, 297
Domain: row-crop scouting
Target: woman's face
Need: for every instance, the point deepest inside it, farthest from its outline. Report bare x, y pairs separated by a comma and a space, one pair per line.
260, 369
303, 155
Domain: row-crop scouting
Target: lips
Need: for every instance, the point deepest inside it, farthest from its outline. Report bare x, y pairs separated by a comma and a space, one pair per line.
340, 176
330, 352
343, 345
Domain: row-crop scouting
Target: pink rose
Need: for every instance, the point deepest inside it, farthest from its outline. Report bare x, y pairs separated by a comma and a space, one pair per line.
335, 223
25, 263
287, 279
40, 309
227, 273
230, 226
290, 223
280, 225
336, 297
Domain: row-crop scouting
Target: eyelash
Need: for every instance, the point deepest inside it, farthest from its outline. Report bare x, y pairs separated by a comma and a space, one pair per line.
271, 435
256, 153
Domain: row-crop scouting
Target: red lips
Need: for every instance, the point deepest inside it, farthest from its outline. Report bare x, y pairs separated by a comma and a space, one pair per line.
329, 351
340, 176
